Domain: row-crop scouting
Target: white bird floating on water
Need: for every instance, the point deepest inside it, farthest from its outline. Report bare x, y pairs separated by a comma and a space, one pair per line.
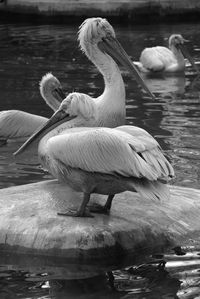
19, 125
162, 59
100, 160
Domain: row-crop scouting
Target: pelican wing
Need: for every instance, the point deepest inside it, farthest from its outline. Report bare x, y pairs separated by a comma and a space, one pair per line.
139, 138
15, 124
104, 150
157, 58
149, 150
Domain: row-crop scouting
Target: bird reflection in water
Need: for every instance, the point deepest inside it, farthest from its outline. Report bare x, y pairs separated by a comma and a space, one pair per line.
163, 85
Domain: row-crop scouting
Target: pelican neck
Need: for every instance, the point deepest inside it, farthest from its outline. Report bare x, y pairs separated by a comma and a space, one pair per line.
51, 101
177, 53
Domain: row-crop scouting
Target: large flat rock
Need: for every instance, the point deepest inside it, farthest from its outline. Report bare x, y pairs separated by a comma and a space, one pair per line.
31, 230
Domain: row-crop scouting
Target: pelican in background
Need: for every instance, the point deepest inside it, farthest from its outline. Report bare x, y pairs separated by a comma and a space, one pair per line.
19, 125
162, 59
100, 160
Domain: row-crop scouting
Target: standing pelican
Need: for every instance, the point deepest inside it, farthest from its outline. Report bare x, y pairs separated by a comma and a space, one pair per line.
100, 160
16, 124
98, 42
162, 59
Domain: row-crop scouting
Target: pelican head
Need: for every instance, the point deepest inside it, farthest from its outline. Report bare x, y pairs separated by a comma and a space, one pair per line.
79, 104
73, 106
177, 41
93, 31
51, 91
96, 35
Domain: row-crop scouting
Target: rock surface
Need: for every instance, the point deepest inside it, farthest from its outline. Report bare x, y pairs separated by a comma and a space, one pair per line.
31, 230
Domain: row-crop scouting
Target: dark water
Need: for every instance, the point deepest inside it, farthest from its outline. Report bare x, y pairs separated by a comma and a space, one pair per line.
26, 53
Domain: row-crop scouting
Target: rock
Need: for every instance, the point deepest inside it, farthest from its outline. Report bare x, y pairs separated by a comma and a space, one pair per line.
33, 236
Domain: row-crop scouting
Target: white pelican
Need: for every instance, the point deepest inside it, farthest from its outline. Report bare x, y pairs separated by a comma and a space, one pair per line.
98, 42
100, 160
162, 59
17, 125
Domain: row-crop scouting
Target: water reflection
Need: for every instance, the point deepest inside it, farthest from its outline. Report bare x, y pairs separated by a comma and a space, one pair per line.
162, 277
166, 85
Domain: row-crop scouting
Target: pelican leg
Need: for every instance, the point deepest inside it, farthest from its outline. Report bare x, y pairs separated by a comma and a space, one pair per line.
81, 212
96, 208
108, 203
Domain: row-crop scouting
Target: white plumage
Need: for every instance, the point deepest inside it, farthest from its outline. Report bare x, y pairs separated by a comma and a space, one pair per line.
109, 151
98, 42
100, 160
16, 124
162, 59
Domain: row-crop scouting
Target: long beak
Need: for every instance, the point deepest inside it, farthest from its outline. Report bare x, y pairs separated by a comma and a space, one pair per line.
59, 94
186, 54
59, 117
115, 50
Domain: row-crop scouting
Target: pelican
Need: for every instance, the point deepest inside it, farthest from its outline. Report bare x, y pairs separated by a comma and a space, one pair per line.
99, 159
162, 59
98, 42
18, 125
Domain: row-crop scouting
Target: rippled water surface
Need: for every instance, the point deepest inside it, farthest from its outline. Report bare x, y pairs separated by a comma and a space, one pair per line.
26, 53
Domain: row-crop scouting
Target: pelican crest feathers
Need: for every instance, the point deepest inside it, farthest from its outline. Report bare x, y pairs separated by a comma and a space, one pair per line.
92, 31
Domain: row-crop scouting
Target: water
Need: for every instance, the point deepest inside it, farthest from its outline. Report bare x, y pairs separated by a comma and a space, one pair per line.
28, 52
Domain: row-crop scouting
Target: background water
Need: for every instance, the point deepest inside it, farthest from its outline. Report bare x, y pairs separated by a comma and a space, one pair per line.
28, 52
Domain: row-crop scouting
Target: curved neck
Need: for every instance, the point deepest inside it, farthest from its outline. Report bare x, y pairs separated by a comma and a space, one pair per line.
177, 53
105, 64
50, 99
111, 103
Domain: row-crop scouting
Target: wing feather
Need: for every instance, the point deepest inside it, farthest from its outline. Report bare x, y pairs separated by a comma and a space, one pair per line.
156, 58
150, 150
104, 150
15, 123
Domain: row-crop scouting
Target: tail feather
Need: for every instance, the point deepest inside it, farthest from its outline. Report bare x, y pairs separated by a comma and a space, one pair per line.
153, 190
159, 163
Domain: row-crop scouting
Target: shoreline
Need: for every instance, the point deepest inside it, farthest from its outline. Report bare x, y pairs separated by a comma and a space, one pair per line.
121, 11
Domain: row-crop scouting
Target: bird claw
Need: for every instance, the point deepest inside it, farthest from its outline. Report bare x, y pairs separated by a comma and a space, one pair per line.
75, 213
